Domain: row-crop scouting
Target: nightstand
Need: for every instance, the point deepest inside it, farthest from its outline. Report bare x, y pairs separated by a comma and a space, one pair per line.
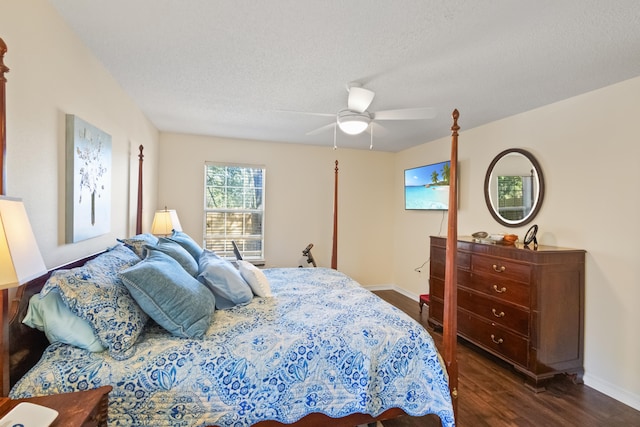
79, 409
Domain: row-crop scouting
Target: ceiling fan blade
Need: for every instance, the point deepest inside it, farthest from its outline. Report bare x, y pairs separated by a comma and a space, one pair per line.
377, 129
359, 99
321, 129
306, 113
419, 113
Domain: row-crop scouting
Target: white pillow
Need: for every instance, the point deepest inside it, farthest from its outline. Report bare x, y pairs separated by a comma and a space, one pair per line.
255, 278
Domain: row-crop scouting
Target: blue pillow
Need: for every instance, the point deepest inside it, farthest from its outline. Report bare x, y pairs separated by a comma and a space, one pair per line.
138, 242
186, 242
96, 294
169, 295
224, 280
177, 252
49, 314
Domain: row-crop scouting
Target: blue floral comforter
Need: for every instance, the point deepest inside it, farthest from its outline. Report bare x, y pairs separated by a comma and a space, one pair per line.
321, 344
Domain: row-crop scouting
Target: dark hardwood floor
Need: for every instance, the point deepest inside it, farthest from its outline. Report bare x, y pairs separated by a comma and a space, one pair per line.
491, 393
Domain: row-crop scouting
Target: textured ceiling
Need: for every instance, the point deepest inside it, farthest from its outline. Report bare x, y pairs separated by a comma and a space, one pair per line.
229, 68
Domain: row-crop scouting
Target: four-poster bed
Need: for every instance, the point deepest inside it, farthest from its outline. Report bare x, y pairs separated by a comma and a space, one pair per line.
29, 347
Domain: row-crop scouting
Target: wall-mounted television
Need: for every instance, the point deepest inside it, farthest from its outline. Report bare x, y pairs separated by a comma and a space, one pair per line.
427, 187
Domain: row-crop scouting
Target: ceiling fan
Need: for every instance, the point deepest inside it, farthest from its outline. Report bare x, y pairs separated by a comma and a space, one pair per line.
356, 119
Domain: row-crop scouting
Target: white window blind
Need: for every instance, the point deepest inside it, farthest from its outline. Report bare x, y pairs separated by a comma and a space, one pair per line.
234, 209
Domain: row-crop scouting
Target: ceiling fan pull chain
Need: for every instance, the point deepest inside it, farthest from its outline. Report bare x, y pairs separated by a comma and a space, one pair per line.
335, 131
371, 143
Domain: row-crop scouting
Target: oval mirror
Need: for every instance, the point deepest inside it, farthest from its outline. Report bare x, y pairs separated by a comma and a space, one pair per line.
513, 187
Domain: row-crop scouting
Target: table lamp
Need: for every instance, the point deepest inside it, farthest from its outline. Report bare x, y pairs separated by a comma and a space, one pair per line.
20, 262
164, 222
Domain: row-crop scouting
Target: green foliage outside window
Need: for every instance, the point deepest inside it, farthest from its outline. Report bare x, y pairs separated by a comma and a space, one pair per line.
510, 197
234, 203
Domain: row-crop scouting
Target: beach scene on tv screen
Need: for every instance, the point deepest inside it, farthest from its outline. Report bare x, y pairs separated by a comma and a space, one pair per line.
427, 187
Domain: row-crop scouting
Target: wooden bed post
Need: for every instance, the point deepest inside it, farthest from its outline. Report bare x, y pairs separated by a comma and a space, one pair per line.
450, 320
139, 207
3, 118
334, 253
4, 294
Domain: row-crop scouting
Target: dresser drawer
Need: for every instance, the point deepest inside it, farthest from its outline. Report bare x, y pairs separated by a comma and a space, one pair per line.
493, 338
436, 287
436, 311
507, 290
501, 268
438, 261
495, 311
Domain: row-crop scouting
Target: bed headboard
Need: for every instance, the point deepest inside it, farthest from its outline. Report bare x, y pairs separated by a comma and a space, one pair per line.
27, 344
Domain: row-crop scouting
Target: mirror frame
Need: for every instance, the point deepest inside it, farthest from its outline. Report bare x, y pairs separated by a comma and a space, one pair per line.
487, 179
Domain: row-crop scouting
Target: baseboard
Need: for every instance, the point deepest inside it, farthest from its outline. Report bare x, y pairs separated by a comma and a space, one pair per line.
378, 287
613, 391
393, 288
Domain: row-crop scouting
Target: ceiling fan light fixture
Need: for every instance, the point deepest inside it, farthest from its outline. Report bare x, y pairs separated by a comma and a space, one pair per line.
353, 123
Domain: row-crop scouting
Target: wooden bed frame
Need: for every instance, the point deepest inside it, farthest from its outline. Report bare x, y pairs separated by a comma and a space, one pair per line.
26, 345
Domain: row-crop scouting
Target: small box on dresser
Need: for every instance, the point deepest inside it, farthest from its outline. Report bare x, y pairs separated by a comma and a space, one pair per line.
523, 305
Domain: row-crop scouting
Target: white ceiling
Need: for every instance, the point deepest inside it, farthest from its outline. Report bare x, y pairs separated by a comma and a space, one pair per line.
229, 67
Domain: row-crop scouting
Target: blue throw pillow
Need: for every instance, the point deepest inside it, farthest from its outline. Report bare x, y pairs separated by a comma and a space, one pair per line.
177, 252
49, 314
186, 242
169, 295
224, 280
138, 242
95, 293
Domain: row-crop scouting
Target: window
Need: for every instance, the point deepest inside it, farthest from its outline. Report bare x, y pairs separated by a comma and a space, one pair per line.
234, 209
515, 197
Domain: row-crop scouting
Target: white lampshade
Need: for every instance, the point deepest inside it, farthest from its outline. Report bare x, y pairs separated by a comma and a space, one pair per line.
164, 222
20, 257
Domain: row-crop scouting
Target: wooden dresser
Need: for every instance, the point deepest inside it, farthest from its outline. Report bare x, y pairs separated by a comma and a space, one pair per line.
522, 305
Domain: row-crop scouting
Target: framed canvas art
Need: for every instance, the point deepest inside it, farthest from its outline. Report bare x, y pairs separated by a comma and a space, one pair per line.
88, 180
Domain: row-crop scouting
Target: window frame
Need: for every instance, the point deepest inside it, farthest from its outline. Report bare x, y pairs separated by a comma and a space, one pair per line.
520, 193
227, 252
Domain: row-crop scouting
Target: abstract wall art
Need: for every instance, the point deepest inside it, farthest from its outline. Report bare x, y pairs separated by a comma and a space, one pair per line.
88, 180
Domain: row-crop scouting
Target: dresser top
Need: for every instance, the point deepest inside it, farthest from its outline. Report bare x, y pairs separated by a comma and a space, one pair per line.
515, 246
541, 253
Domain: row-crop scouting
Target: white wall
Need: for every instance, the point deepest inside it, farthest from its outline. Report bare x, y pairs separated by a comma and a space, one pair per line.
52, 74
588, 148
299, 199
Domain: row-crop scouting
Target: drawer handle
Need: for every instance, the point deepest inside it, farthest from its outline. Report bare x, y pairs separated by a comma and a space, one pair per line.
499, 290
498, 341
500, 269
495, 313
